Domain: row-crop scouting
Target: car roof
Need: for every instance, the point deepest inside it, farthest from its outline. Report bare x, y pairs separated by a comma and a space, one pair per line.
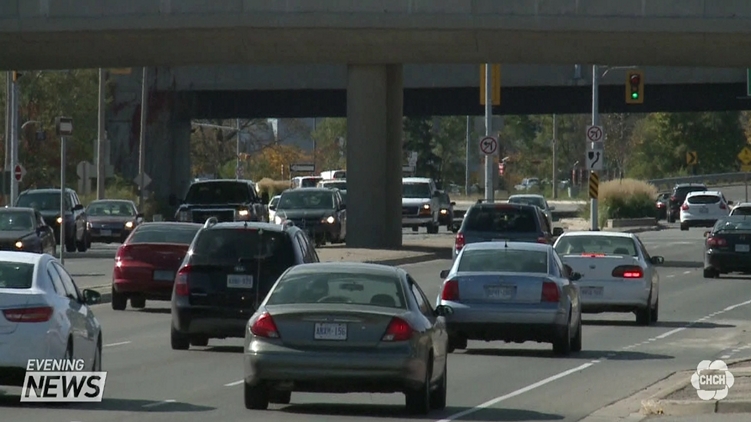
346, 267
743, 205
24, 257
169, 224
207, 181
504, 205
309, 189
46, 190
598, 234
526, 195
517, 246
96, 201
416, 180
686, 185
250, 224
705, 192
333, 180
26, 209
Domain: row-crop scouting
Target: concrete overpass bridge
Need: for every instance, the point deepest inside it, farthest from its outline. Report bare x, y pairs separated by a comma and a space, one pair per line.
374, 38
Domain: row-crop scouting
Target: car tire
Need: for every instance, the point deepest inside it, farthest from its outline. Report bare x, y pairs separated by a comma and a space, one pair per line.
82, 246
256, 397
644, 316
684, 227
179, 341
96, 366
576, 342
562, 343
710, 272
456, 343
70, 245
433, 229
137, 302
280, 397
119, 301
417, 401
199, 341
438, 397
655, 312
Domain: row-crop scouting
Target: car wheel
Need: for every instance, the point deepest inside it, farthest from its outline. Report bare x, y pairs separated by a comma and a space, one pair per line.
97, 364
418, 400
710, 272
644, 316
199, 341
655, 312
684, 227
562, 343
179, 341
82, 246
576, 342
70, 245
119, 301
280, 397
256, 396
438, 397
137, 302
456, 343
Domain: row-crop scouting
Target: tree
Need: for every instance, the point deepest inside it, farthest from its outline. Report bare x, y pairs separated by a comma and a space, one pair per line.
418, 137
450, 148
330, 136
619, 129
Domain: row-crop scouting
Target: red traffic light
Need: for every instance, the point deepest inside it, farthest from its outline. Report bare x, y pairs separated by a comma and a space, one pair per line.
635, 79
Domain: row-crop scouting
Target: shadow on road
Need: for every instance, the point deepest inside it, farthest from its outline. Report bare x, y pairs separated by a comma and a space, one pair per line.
398, 412
661, 324
583, 355
682, 264
222, 349
154, 310
108, 404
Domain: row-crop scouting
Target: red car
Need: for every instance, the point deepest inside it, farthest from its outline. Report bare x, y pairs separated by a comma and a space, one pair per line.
145, 264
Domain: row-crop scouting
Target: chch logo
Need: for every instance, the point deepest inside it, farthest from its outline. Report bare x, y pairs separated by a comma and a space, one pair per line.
712, 380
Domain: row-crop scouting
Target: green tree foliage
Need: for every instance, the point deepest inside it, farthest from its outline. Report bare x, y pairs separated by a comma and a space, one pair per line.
451, 148
418, 137
328, 133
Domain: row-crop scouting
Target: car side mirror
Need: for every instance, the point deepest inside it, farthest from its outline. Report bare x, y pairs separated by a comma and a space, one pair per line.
557, 231
443, 310
552, 208
444, 273
657, 260
265, 198
452, 203
706, 234
575, 276
78, 207
272, 207
91, 297
436, 194
172, 200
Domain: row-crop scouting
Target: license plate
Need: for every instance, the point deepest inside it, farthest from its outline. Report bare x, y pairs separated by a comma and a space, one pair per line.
500, 292
591, 291
742, 248
164, 275
703, 210
105, 232
240, 281
330, 331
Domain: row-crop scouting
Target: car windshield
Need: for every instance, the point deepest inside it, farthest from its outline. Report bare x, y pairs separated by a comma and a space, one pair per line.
334, 185
218, 193
416, 190
596, 245
330, 287
274, 201
309, 182
164, 233
503, 260
703, 199
741, 211
528, 200
685, 190
16, 275
42, 201
502, 219
272, 250
16, 221
725, 226
111, 209
301, 200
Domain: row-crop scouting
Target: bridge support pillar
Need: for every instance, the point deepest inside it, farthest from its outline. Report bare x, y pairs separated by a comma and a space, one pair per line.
374, 156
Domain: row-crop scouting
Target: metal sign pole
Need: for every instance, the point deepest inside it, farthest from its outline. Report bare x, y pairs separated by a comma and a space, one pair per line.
62, 199
489, 191
593, 217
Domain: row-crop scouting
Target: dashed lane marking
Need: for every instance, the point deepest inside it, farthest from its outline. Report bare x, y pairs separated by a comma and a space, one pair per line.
121, 343
159, 403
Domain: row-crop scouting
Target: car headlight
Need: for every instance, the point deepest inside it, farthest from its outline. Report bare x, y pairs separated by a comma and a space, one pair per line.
59, 220
444, 211
329, 220
278, 220
129, 225
426, 206
243, 213
19, 245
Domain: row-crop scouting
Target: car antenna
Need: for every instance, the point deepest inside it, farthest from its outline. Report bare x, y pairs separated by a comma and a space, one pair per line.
258, 269
505, 243
245, 226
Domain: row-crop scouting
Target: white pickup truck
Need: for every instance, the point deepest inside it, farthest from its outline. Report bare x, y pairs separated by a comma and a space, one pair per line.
420, 204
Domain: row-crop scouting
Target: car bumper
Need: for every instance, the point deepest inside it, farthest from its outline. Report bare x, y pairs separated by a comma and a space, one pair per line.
332, 372
698, 220
617, 296
416, 221
728, 261
30, 341
212, 322
110, 236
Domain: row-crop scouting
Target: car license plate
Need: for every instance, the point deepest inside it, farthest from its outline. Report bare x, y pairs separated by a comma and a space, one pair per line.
742, 248
500, 292
164, 275
591, 291
239, 281
105, 232
703, 210
330, 331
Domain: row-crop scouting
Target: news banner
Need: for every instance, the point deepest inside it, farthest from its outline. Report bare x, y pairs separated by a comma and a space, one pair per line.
62, 381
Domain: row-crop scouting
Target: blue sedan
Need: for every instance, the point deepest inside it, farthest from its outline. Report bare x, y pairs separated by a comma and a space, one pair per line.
514, 292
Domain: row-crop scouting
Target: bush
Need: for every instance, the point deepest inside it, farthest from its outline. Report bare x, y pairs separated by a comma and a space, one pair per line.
272, 187
626, 198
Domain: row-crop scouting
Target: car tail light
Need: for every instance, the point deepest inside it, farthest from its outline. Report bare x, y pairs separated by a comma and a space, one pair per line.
123, 253
542, 240
550, 292
722, 206
716, 241
398, 330
593, 255
628, 271
181, 282
34, 314
459, 242
660, 205
684, 207
450, 290
264, 326
673, 198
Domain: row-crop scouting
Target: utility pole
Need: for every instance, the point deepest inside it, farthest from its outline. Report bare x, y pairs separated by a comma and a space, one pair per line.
14, 140
237, 150
8, 119
466, 160
555, 148
593, 217
489, 191
142, 142
101, 140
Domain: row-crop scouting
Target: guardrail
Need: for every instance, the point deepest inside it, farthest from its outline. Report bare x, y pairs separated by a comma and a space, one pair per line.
709, 179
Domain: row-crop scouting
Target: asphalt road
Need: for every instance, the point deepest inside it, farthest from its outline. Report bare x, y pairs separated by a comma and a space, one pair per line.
699, 319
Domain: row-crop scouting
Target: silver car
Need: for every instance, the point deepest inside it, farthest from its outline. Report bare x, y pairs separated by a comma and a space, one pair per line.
538, 200
617, 273
511, 291
346, 327
43, 315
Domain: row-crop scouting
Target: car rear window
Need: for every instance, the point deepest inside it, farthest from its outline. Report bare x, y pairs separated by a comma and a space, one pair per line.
525, 200
741, 211
703, 199
683, 191
725, 226
502, 219
344, 288
164, 234
596, 245
271, 250
507, 260
16, 275
218, 193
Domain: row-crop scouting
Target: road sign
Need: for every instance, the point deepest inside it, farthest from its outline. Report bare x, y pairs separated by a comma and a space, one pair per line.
19, 172
146, 180
746, 168
745, 155
64, 126
692, 158
302, 167
488, 145
594, 185
594, 133
595, 156
495, 84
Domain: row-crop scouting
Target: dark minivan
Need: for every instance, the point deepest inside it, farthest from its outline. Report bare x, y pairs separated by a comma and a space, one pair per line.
487, 222
226, 274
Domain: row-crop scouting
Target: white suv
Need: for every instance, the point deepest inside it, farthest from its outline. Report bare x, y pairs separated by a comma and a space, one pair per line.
703, 209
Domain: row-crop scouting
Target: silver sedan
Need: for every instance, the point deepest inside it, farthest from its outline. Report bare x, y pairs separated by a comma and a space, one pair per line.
346, 327
512, 291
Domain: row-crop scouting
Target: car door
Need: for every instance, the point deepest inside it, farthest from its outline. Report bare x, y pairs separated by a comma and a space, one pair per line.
79, 215
649, 267
81, 316
73, 310
438, 334
571, 289
341, 213
62, 307
45, 233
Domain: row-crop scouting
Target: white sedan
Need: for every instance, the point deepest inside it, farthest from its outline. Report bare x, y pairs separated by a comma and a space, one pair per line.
43, 315
617, 273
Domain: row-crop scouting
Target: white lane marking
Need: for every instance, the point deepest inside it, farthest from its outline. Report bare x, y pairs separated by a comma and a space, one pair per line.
121, 343
518, 392
670, 276
687, 272
670, 333
232, 384
725, 356
159, 403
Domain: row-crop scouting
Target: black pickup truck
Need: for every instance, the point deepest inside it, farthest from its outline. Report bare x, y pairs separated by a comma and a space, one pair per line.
225, 199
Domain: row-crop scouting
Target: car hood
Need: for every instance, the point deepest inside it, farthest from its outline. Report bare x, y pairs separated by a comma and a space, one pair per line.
11, 235
406, 202
50, 214
109, 220
313, 213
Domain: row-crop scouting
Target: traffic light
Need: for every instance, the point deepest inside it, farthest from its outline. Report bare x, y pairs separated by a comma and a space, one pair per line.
635, 87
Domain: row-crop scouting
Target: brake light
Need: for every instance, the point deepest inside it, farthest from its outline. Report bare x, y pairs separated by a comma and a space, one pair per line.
660, 205
628, 271
550, 292
673, 198
264, 326
593, 255
450, 290
542, 240
123, 253
459, 242
722, 206
398, 330
716, 241
684, 207
181, 282
35, 314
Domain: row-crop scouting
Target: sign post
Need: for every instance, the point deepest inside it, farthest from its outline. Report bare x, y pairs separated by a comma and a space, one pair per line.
19, 172
594, 133
64, 127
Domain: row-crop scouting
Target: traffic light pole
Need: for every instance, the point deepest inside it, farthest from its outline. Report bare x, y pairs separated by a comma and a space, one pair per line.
593, 215
14, 142
489, 191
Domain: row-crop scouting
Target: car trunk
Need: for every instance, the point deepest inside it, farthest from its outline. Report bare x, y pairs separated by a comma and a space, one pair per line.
164, 257
500, 287
598, 267
737, 241
471, 236
240, 286
14, 299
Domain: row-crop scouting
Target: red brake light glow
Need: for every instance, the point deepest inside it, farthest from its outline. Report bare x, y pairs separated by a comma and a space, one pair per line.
684, 207
716, 241
722, 206
550, 292
459, 242
122, 253
593, 255
34, 314
398, 330
181, 282
542, 240
628, 271
450, 290
265, 327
